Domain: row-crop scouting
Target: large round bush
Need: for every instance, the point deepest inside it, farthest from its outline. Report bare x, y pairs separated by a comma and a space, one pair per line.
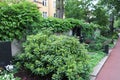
58, 56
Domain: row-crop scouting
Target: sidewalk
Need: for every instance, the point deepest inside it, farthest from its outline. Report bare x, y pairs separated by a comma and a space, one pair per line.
111, 68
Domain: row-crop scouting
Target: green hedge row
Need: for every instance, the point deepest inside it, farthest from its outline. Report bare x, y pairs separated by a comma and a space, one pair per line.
16, 20
61, 25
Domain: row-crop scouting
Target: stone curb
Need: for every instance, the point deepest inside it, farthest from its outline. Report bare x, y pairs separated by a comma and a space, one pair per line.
98, 67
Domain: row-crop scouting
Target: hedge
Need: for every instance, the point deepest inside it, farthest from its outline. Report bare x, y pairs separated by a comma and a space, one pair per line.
17, 19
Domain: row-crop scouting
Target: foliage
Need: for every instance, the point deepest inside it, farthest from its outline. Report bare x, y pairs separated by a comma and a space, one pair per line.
98, 43
17, 19
117, 23
104, 31
87, 29
11, 1
62, 25
78, 9
4, 75
95, 58
87, 10
58, 25
75, 22
60, 56
100, 16
112, 4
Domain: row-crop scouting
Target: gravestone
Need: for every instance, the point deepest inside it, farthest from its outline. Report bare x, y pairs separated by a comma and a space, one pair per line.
5, 54
16, 47
96, 33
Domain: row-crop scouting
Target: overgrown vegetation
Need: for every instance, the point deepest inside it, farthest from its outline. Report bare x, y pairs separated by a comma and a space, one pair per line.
62, 25
45, 54
17, 20
5, 75
99, 43
58, 25
95, 58
58, 56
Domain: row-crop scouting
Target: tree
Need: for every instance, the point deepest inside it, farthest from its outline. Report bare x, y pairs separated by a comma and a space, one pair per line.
112, 4
59, 8
100, 15
87, 10
114, 10
78, 9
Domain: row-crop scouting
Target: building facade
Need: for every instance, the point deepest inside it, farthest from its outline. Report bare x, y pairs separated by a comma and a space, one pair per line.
46, 7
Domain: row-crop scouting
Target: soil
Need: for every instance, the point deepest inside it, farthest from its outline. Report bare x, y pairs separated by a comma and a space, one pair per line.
26, 75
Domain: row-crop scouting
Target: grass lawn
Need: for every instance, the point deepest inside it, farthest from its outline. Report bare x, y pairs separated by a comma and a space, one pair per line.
95, 58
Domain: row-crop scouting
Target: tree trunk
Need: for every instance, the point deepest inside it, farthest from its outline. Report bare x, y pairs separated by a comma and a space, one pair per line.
59, 8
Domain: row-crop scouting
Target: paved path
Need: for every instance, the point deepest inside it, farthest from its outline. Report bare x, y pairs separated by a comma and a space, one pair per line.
111, 68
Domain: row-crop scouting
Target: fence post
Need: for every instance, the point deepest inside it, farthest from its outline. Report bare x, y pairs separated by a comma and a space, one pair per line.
106, 49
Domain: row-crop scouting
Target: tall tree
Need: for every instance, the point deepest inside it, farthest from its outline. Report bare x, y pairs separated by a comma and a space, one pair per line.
100, 15
87, 10
113, 6
59, 8
114, 10
78, 9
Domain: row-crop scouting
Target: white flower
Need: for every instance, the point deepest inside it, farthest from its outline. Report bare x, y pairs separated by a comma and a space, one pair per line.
9, 67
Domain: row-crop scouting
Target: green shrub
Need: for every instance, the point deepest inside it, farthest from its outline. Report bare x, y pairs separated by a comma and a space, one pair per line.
99, 43
58, 25
5, 75
117, 23
60, 56
11, 1
8, 77
62, 25
17, 19
75, 22
95, 58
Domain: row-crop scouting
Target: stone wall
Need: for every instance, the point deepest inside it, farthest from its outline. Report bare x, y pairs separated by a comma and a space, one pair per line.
16, 47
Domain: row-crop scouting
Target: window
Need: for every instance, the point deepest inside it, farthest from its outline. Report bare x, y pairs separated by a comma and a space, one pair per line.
35, 0
54, 15
54, 4
44, 14
44, 3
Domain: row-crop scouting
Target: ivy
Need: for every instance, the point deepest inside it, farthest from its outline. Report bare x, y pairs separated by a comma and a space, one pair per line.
62, 25
17, 20
58, 25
